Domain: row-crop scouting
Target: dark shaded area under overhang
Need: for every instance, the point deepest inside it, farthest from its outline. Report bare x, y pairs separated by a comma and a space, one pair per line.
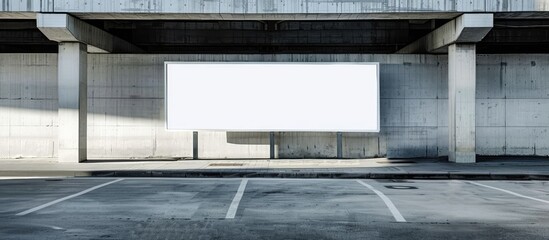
269, 37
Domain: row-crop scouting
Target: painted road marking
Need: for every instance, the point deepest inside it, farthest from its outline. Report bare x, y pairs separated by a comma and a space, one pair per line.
66, 198
234, 205
27, 178
396, 214
509, 192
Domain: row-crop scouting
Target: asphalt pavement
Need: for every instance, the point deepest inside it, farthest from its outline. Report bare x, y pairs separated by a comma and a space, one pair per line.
264, 208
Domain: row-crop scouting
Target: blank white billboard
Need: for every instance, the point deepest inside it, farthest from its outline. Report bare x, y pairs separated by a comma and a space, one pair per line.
274, 96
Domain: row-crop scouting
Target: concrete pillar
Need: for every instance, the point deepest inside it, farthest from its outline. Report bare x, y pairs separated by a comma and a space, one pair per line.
72, 81
461, 99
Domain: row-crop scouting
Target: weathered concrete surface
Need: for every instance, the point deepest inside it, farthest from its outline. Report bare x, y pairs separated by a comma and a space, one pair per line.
126, 116
126, 113
268, 9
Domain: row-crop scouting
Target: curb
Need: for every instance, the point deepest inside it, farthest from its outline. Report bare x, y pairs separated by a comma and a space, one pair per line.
283, 174
322, 175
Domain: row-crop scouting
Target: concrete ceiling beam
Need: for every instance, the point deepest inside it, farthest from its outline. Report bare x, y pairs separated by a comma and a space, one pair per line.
66, 28
467, 28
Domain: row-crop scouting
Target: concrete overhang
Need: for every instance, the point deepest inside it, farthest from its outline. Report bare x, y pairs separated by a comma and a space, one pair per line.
272, 10
66, 28
467, 28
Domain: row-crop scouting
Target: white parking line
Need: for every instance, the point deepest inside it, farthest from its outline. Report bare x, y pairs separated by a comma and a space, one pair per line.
234, 205
66, 198
509, 192
396, 214
27, 178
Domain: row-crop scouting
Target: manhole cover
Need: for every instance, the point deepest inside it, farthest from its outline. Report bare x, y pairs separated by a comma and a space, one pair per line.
401, 187
225, 164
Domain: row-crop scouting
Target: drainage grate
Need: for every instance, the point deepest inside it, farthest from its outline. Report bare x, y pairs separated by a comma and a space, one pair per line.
396, 161
225, 164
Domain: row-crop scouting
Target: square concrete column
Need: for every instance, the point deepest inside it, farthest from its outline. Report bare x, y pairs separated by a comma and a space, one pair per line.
461, 99
72, 82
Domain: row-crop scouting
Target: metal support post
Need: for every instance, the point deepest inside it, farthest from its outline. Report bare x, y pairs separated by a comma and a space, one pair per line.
339, 145
195, 145
272, 145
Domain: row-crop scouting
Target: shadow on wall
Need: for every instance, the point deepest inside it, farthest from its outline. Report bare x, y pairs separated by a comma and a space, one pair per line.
149, 108
251, 138
319, 144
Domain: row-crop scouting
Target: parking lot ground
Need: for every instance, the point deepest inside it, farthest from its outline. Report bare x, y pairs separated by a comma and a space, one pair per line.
260, 208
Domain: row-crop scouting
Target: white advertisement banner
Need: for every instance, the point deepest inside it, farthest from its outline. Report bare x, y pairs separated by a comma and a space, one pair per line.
274, 96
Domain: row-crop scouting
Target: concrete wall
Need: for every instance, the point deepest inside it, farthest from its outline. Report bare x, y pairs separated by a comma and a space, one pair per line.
28, 105
126, 112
